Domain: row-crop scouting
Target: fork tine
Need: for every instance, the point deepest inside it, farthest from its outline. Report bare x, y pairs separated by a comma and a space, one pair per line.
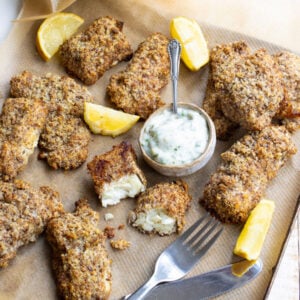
189, 231
205, 236
197, 235
203, 250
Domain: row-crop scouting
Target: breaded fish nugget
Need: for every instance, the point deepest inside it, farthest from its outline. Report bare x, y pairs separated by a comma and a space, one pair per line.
246, 168
116, 174
252, 90
80, 261
289, 65
60, 93
21, 122
255, 91
24, 213
222, 58
161, 209
212, 105
64, 141
136, 89
88, 54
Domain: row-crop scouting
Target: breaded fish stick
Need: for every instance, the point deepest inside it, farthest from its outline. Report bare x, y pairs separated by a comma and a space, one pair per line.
89, 54
161, 209
24, 214
21, 122
246, 168
136, 89
80, 261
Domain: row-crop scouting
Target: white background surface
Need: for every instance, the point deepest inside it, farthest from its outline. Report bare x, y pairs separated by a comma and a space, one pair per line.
9, 10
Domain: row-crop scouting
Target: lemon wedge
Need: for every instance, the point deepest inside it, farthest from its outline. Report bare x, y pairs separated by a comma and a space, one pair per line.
195, 53
54, 31
107, 121
251, 239
240, 268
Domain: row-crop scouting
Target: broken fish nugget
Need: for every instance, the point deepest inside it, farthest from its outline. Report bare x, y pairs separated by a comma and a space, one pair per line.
24, 213
116, 174
80, 260
161, 208
89, 54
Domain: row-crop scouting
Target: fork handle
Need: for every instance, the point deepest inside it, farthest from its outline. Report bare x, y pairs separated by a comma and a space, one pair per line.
142, 291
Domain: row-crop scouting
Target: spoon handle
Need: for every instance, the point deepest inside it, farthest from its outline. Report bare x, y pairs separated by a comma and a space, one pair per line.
174, 49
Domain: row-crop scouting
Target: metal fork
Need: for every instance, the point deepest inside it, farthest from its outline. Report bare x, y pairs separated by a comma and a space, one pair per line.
179, 258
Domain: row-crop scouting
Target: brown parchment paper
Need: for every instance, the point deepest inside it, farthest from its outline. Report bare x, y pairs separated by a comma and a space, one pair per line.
29, 275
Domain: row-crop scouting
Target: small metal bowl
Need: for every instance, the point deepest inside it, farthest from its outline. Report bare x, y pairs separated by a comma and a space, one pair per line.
188, 168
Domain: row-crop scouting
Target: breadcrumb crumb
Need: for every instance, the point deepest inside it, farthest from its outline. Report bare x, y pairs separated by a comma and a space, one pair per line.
120, 244
109, 232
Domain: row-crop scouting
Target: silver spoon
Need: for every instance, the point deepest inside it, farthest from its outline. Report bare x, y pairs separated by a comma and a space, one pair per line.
174, 49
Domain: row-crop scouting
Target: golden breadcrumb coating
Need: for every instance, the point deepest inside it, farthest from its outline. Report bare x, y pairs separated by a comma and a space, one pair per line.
289, 65
136, 89
256, 91
21, 122
120, 244
113, 165
222, 58
89, 54
171, 199
80, 261
64, 141
212, 105
24, 214
60, 93
246, 168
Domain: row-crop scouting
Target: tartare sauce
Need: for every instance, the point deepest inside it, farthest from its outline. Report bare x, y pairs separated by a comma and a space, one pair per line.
175, 139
